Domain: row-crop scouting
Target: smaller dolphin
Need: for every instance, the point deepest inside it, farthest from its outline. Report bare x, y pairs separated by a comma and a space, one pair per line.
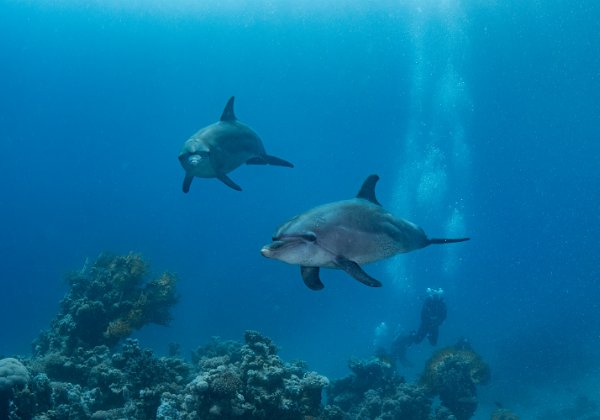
219, 148
344, 234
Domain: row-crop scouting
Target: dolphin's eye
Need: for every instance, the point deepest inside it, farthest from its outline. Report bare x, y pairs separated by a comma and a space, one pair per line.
311, 237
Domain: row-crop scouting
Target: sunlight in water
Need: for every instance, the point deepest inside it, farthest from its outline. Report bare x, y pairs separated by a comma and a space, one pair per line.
435, 155
455, 227
447, 8
433, 182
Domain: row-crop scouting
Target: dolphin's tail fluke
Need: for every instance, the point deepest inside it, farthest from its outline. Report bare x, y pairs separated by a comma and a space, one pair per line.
441, 241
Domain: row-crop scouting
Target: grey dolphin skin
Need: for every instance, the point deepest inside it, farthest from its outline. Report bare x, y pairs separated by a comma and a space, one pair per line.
344, 234
219, 148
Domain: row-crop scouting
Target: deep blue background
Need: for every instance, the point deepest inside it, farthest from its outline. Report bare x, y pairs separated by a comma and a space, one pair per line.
95, 102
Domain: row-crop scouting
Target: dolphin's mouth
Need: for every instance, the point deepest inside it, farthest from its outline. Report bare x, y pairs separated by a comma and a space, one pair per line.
268, 250
193, 158
272, 248
279, 244
292, 237
286, 240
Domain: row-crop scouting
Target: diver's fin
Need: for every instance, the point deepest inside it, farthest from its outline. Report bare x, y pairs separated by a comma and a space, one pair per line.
228, 114
367, 191
441, 241
310, 275
187, 181
227, 181
355, 271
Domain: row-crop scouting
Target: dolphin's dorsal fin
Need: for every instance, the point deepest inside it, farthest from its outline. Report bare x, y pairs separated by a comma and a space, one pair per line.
367, 191
228, 114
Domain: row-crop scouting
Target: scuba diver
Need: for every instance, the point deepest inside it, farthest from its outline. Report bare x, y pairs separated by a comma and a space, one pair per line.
433, 314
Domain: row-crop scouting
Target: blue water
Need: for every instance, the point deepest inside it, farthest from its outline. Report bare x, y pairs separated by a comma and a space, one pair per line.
480, 118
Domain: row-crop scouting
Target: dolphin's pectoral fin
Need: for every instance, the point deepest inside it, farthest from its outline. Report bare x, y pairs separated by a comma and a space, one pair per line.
228, 114
227, 181
355, 271
258, 160
275, 161
310, 275
367, 191
187, 181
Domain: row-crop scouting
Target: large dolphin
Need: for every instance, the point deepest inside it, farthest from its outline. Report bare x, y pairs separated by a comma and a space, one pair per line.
219, 148
344, 234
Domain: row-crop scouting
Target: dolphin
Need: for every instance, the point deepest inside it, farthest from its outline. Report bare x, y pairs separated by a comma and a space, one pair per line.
219, 148
345, 234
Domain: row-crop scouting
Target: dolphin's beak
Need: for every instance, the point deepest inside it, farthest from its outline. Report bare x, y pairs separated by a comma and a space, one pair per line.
267, 250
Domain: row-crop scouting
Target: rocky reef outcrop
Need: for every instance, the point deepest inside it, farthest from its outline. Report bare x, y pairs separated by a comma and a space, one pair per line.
453, 373
107, 300
374, 390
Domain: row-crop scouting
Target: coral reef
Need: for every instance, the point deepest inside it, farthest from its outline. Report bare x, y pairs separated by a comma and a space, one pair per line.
375, 391
227, 380
76, 372
247, 381
86, 367
133, 383
107, 300
452, 373
101, 384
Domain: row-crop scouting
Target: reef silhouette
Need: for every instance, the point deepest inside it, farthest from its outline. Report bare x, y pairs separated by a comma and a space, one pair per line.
86, 366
